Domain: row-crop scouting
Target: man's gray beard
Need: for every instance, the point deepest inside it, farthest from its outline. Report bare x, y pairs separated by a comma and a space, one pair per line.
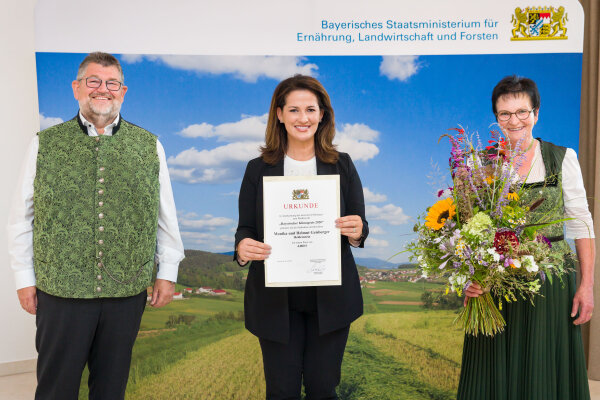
107, 114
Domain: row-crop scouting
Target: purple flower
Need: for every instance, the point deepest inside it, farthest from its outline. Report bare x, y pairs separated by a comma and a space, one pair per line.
520, 159
480, 260
467, 252
544, 239
503, 199
473, 188
471, 269
542, 276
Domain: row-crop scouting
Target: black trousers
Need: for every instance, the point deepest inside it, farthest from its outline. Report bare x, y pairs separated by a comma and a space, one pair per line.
317, 359
71, 332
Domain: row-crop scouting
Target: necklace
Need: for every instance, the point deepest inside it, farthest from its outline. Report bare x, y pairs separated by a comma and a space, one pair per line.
530, 145
527, 149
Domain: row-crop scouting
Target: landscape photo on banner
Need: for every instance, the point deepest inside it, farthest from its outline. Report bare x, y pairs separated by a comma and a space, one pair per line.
210, 113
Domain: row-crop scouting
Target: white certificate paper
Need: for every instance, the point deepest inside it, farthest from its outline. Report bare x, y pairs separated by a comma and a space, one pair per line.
299, 217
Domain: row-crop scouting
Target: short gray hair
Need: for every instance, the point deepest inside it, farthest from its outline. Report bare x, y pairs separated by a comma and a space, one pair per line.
104, 59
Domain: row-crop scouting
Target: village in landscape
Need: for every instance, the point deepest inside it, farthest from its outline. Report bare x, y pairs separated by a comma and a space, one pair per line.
205, 290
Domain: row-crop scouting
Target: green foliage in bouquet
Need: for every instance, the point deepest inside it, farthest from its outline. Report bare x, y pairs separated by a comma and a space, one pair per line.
488, 228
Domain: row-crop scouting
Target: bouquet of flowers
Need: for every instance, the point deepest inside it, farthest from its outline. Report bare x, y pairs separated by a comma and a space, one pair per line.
485, 229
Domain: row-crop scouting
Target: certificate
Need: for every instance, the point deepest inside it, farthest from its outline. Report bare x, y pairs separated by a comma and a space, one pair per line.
299, 217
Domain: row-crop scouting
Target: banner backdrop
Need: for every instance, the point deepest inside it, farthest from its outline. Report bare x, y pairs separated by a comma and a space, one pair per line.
399, 76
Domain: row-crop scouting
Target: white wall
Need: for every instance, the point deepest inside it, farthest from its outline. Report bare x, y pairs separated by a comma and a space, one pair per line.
19, 120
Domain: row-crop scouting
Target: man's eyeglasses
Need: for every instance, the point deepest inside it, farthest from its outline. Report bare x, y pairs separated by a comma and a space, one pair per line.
520, 114
95, 83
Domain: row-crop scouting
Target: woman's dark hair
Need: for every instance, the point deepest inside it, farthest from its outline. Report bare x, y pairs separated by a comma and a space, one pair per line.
514, 86
276, 136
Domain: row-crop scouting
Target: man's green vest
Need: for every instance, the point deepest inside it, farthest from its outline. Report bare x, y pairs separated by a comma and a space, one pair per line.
96, 203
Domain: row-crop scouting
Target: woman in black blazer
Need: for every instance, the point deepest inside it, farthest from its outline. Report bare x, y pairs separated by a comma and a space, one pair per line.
302, 330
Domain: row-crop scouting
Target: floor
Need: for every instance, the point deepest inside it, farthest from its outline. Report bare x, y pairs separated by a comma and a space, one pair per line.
22, 387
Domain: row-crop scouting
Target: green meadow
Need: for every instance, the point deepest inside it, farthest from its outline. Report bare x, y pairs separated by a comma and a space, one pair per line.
200, 306
397, 350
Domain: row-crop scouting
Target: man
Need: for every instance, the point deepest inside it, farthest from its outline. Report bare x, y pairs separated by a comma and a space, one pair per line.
99, 189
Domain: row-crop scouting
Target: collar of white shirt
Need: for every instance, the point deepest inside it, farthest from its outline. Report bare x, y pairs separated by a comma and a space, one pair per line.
91, 129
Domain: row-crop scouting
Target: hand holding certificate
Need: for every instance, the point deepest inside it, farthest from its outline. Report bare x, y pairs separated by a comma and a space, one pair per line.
299, 217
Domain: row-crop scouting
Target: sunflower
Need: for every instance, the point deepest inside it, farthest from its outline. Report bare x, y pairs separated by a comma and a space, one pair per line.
439, 213
512, 196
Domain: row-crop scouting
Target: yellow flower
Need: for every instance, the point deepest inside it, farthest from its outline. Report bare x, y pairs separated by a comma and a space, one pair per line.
439, 213
512, 196
489, 179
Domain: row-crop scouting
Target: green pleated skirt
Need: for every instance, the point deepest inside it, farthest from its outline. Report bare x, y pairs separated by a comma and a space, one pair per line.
539, 356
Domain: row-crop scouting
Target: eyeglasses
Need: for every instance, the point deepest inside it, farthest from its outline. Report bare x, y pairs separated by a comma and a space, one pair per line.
520, 114
94, 83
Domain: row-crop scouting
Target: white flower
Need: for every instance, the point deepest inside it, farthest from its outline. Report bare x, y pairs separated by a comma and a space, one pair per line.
424, 275
459, 248
500, 268
461, 280
530, 264
455, 236
452, 281
492, 251
516, 263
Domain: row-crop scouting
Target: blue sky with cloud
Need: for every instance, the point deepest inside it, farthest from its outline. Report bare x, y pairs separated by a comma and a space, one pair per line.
210, 114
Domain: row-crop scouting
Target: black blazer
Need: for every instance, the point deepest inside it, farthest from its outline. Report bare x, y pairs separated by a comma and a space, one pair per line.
266, 309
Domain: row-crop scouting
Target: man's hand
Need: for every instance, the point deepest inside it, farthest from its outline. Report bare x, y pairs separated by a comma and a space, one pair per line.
28, 299
162, 293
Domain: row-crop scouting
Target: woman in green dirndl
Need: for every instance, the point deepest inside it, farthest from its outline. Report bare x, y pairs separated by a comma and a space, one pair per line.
539, 356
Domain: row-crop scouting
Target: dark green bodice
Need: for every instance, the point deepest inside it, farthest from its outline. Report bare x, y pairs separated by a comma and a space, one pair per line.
550, 190
96, 205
